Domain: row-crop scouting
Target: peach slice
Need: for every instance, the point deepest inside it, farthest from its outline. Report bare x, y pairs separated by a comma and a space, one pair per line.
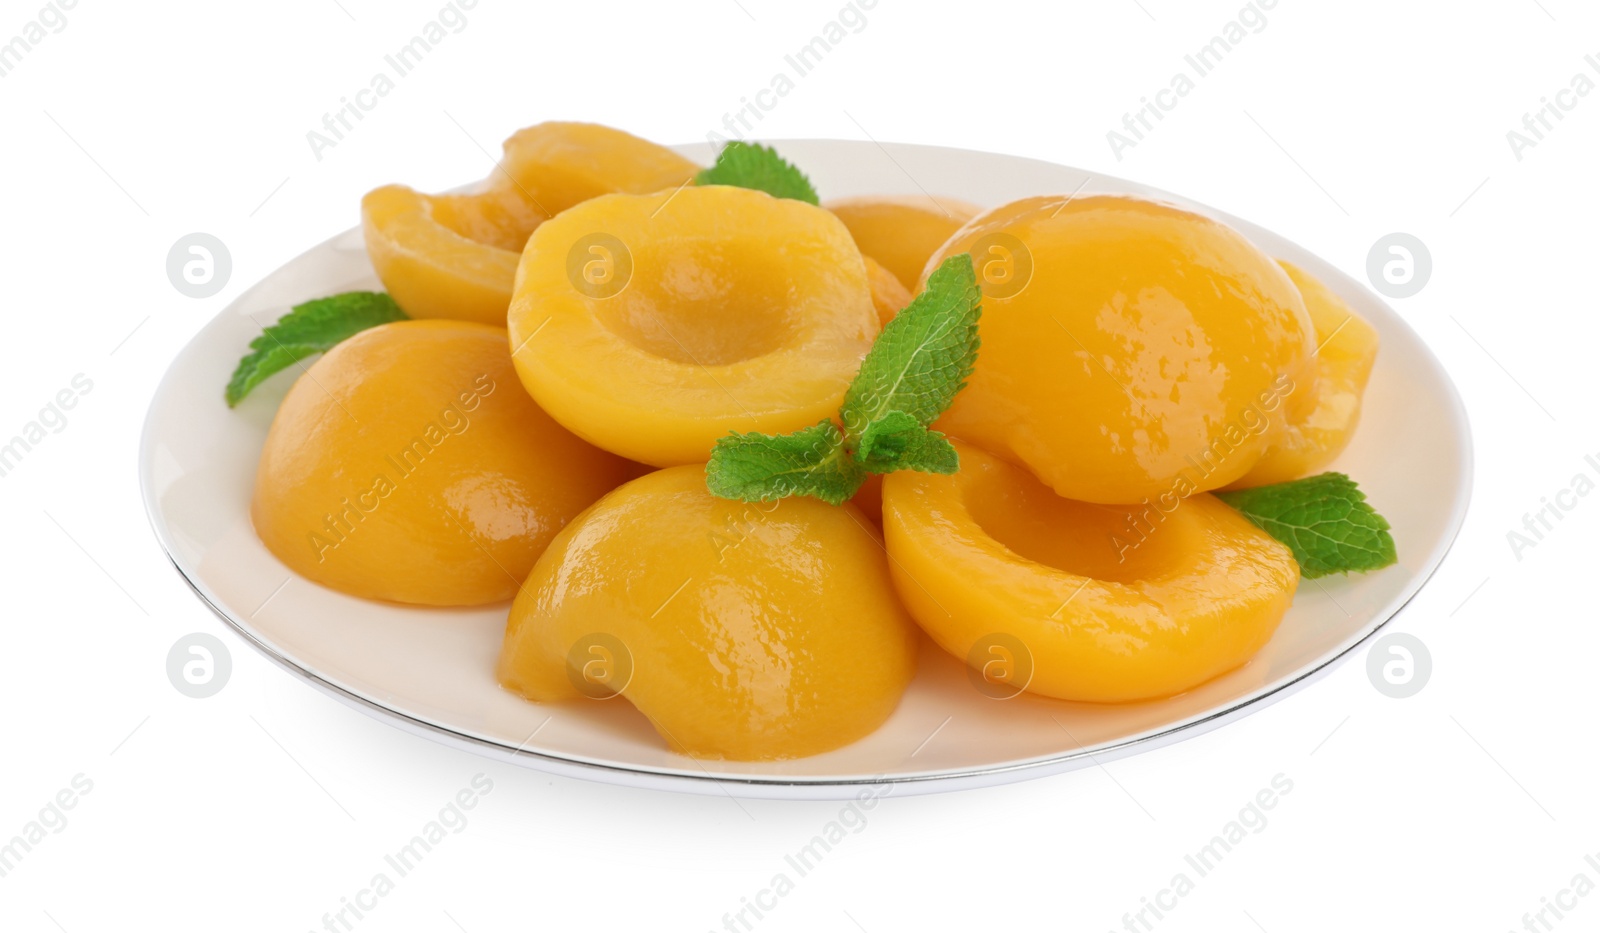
407, 464
652, 325
559, 164
889, 297
990, 556
902, 232
750, 631
1131, 349
1347, 346
448, 256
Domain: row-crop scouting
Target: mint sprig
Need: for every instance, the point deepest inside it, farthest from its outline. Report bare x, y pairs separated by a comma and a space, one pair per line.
922, 359
909, 377
1325, 520
308, 329
752, 165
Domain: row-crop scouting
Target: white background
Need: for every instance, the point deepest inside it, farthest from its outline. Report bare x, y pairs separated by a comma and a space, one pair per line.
260, 808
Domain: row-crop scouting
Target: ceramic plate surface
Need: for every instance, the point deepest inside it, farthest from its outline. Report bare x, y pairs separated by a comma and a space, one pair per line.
431, 671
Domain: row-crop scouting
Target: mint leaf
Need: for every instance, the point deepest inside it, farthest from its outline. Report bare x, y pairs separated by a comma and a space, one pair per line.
898, 442
915, 367
1325, 520
308, 329
761, 467
752, 165
924, 355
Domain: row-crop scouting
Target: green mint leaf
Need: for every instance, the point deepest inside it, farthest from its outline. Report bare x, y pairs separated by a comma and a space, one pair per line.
308, 329
924, 355
919, 362
897, 442
752, 165
1325, 520
760, 467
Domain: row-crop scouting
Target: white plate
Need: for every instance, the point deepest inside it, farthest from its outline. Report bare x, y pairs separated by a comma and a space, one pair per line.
431, 671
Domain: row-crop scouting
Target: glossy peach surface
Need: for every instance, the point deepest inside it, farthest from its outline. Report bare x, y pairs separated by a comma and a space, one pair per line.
869, 499
409, 465
448, 256
560, 164
1347, 346
1109, 603
888, 295
654, 324
902, 232
1130, 349
741, 630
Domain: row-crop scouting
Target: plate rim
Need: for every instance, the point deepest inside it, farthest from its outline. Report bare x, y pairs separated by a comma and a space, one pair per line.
828, 787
